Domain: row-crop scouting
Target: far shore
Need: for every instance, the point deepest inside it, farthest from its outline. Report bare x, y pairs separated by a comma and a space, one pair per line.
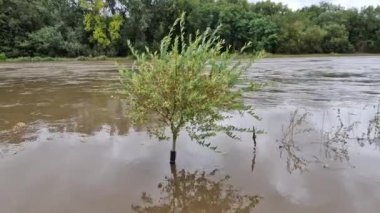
128, 58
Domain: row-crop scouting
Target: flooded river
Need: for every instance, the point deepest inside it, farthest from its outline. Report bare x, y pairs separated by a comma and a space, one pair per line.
66, 145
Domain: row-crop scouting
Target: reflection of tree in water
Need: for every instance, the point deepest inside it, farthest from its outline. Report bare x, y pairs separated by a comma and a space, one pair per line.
197, 192
288, 145
373, 132
333, 142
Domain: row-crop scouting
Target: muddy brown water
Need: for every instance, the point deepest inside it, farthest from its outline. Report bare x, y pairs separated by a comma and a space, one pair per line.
66, 145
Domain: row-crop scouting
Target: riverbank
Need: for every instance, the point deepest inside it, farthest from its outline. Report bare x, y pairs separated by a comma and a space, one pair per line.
243, 56
60, 59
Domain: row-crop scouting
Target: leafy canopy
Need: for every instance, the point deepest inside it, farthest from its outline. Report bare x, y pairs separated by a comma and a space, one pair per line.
104, 26
190, 83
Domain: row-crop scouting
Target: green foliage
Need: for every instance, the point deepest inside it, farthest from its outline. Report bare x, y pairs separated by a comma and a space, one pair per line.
240, 26
42, 59
72, 28
264, 34
299, 36
104, 27
45, 41
336, 40
189, 84
17, 19
269, 8
3, 57
33, 59
21, 59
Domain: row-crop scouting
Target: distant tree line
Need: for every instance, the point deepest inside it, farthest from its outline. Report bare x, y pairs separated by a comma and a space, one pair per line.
71, 28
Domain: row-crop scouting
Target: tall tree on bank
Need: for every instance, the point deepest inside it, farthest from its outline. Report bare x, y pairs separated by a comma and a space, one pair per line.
102, 21
190, 84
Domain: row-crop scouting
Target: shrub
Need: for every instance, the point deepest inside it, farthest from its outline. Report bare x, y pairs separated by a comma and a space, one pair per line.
191, 84
3, 57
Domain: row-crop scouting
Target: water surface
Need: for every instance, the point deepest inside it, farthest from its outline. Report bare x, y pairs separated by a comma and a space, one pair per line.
66, 145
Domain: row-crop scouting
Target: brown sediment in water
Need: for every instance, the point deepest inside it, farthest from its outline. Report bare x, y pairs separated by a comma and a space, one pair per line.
66, 144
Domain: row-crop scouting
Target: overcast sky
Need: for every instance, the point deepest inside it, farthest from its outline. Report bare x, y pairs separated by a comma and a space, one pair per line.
296, 4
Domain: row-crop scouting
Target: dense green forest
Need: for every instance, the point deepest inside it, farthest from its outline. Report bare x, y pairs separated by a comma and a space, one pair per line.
71, 28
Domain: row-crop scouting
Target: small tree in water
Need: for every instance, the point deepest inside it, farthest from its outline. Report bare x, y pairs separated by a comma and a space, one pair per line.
189, 84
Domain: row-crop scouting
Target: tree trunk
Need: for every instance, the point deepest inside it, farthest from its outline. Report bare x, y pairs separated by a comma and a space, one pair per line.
173, 152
